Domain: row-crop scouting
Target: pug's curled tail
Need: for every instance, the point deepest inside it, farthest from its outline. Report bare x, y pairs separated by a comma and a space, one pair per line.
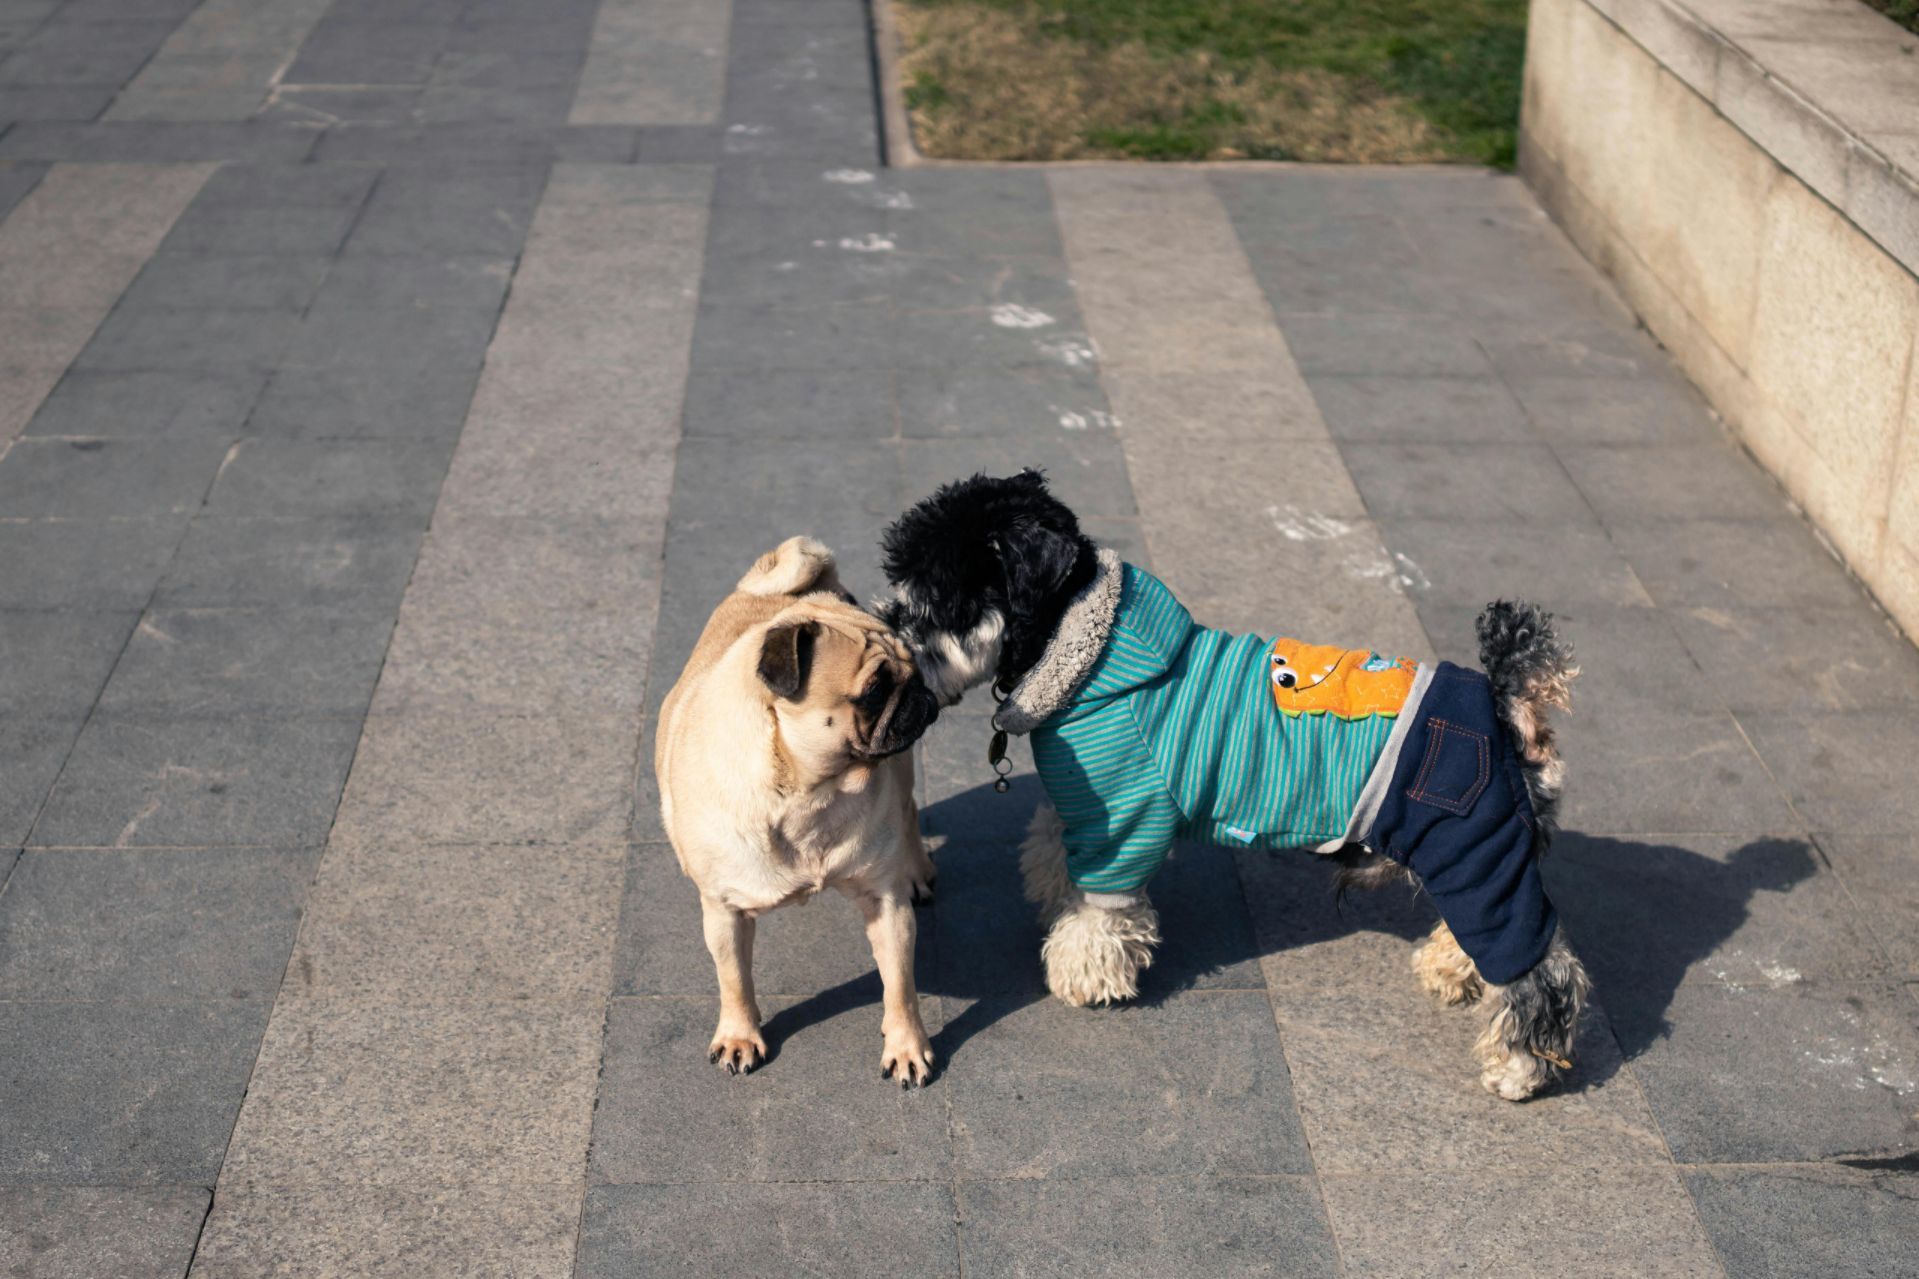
1531, 669
797, 566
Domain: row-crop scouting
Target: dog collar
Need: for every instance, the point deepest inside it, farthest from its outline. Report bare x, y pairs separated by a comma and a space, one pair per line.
1068, 658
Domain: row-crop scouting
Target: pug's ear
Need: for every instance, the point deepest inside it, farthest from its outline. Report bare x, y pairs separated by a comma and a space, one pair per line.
786, 655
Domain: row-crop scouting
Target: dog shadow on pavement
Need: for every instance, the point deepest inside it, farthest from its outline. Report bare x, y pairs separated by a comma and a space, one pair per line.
1643, 914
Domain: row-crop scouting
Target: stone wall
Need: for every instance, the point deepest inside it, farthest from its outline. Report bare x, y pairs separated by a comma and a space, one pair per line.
1744, 169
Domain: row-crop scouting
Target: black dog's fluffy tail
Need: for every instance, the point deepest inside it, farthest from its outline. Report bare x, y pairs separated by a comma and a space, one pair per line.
1531, 669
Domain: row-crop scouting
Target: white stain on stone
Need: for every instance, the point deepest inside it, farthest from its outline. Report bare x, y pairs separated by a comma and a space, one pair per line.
893, 200
871, 242
1085, 419
1297, 525
1011, 315
1735, 977
1779, 974
1361, 563
848, 177
1860, 1065
749, 130
1367, 568
1071, 352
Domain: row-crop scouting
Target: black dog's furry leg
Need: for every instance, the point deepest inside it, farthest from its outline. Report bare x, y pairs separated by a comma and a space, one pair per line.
1531, 1024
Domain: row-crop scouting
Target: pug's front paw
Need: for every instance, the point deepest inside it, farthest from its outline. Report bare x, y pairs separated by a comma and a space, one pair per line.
738, 1051
907, 1057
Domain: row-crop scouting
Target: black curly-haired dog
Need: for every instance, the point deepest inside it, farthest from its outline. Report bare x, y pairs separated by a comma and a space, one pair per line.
1146, 727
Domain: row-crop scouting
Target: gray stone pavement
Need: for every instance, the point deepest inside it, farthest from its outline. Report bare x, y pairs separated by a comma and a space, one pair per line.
388, 388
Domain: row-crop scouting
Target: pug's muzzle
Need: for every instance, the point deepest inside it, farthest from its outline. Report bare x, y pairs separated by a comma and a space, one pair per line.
908, 713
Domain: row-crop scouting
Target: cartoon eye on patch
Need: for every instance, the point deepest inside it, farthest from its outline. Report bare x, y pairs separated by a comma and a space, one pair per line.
1288, 676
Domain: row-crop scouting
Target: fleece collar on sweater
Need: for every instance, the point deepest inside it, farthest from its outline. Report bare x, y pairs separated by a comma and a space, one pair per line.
1076, 644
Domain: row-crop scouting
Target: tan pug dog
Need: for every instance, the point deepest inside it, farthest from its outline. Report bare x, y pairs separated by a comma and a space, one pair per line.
781, 768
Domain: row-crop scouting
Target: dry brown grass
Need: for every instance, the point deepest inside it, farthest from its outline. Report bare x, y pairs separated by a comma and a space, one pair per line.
981, 87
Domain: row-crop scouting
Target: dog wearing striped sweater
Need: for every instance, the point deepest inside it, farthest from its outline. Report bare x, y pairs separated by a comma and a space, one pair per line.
1147, 727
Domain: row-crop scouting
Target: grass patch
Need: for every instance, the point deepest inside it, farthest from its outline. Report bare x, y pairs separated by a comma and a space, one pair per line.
1903, 12
1365, 81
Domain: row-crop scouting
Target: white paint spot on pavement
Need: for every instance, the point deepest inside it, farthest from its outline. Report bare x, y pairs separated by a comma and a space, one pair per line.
1361, 563
1779, 974
1296, 525
1735, 978
848, 177
894, 200
871, 242
749, 130
1080, 420
1071, 352
1011, 315
1860, 1065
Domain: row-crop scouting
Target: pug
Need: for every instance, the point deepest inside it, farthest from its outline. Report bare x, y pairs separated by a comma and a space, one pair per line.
782, 764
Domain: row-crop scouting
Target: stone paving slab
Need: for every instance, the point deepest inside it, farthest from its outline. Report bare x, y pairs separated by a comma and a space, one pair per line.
825, 1228
453, 922
816, 1111
1238, 1226
1801, 1072
411, 1092
79, 1232
1883, 882
1808, 1220
390, 1232
191, 782
463, 779
122, 1093
247, 662
1050, 1091
324, 561
185, 924
1636, 1219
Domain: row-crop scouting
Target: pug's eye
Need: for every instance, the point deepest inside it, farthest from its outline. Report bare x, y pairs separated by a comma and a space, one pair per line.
872, 698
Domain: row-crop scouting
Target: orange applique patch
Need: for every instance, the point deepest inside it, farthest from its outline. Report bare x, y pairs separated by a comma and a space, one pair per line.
1350, 683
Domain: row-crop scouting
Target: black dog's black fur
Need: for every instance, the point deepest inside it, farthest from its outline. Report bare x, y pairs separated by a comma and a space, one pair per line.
987, 545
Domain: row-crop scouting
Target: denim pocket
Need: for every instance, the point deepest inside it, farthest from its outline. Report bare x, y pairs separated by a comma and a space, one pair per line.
1458, 764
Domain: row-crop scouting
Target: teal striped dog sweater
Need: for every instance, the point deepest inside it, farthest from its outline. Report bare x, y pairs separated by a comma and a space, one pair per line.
1147, 728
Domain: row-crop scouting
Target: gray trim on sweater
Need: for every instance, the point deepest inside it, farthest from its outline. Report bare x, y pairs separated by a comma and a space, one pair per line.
1076, 644
1373, 794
